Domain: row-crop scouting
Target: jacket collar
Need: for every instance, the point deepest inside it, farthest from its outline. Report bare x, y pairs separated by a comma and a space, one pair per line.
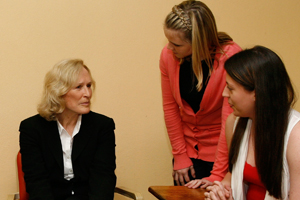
80, 140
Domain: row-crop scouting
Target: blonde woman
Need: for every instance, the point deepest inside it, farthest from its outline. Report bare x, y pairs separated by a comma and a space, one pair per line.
68, 151
192, 79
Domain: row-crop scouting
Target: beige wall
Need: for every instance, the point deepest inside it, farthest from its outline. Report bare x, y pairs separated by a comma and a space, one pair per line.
120, 41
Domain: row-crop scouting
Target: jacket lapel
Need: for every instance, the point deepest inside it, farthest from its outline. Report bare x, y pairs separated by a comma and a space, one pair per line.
82, 138
54, 142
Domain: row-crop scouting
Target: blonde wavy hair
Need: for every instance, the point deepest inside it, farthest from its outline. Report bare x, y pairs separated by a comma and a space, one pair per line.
58, 81
197, 23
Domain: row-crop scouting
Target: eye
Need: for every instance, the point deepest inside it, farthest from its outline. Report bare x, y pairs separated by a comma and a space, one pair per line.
176, 45
78, 87
229, 88
89, 85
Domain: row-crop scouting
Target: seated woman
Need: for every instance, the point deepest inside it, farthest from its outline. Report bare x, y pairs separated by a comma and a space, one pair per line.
264, 132
68, 151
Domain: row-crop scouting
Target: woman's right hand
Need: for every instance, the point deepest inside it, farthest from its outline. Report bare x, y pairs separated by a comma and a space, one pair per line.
218, 191
202, 183
181, 176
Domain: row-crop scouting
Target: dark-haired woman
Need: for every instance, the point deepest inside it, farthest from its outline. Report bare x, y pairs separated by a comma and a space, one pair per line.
263, 132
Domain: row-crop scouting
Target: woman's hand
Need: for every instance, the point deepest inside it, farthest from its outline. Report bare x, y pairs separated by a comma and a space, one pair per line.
218, 191
182, 175
203, 183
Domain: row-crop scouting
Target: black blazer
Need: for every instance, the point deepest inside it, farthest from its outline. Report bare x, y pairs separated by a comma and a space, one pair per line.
93, 159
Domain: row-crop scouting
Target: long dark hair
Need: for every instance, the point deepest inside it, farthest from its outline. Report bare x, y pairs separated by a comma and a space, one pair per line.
261, 70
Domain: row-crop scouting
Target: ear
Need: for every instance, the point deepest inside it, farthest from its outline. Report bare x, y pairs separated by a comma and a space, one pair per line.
253, 95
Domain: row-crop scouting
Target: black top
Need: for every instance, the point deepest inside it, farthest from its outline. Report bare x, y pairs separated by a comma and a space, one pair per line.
93, 159
188, 82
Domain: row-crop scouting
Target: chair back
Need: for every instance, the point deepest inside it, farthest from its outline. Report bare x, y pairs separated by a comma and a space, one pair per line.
25, 196
22, 187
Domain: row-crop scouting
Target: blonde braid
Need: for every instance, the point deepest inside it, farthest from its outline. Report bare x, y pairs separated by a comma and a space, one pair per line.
183, 17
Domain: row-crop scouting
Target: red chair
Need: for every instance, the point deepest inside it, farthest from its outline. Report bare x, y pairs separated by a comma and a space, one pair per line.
23, 195
22, 187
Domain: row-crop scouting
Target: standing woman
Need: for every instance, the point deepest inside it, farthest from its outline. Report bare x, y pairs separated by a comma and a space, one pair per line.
264, 136
68, 151
193, 78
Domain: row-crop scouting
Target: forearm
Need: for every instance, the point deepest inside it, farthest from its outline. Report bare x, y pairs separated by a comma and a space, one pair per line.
173, 123
227, 180
102, 186
220, 167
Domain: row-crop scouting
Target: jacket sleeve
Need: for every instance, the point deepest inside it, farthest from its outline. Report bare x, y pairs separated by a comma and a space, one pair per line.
172, 116
35, 173
102, 171
220, 167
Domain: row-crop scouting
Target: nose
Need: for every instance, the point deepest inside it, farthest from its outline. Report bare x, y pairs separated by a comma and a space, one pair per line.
87, 92
225, 92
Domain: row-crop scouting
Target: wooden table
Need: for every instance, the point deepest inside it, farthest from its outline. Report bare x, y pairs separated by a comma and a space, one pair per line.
176, 193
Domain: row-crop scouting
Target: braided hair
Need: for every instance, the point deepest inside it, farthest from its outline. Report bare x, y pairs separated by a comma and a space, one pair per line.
197, 23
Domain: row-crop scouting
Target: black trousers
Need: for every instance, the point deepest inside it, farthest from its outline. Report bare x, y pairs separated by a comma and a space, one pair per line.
202, 169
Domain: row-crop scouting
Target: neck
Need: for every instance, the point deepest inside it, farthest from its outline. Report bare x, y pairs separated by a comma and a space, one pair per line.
67, 121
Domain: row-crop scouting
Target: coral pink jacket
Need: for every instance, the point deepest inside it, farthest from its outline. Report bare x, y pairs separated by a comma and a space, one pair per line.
187, 129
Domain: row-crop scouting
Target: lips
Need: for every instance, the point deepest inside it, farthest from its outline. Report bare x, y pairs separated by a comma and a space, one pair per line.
85, 103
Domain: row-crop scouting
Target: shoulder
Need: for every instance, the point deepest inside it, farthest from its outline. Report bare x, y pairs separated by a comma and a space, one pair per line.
36, 117
36, 126
97, 119
166, 52
94, 115
295, 134
294, 117
293, 158
224, 53
167, 59
229, 50
294, 129
293, 145
232, 47
33, 121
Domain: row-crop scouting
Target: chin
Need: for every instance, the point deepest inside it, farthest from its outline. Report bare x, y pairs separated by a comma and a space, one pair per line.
85, 112
236, 113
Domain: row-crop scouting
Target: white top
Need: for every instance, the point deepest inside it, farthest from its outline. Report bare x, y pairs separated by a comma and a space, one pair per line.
239, 189
67, 145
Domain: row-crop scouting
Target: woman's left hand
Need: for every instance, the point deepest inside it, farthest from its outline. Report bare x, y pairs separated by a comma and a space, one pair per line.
218, 192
